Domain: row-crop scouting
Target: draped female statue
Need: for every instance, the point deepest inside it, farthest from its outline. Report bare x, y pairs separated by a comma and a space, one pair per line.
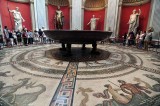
93, 23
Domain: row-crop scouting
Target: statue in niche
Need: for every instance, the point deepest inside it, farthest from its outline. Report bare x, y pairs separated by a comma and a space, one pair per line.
58, 22
93, 23
18, 19
134, 21
59, 18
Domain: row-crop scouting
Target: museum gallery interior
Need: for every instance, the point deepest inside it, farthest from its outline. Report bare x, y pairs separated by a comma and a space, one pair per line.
79, 52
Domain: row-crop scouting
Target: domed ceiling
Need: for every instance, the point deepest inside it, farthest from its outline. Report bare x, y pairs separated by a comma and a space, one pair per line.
59, 2
93, 5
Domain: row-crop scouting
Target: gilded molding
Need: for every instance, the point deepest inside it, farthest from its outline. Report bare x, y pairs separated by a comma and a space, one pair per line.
59, 2
95, 5
134, 2
21, 1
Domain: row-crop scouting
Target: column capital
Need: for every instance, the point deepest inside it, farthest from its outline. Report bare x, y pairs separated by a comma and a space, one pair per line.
120, 3
31, 1
46, 2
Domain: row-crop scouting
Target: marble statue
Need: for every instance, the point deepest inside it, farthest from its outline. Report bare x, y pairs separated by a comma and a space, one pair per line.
58, 18
17, 19
134, 21
93, 23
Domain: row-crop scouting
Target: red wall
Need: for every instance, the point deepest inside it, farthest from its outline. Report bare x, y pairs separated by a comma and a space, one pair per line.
23, 8
51, 14
98, 14
125, 15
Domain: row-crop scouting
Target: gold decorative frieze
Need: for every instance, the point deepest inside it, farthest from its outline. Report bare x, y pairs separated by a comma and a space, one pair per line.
134, 2
59, 2
21, 1
94, 5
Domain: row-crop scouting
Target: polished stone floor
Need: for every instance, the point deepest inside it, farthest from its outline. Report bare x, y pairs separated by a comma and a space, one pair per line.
44, 76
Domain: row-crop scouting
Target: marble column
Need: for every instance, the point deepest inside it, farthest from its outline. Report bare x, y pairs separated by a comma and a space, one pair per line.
32, 14
105, 18
112, 16
154, 20
76, 14
46, 8
1, 25
70, 8
119, 17
82, 16
40, 14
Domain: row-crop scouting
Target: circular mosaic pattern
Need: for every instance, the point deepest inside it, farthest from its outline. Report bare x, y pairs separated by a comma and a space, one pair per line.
112, 62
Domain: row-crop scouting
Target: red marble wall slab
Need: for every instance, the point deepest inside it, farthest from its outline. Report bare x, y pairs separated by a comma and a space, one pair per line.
51, 14
98, 14
24, 8
125, 15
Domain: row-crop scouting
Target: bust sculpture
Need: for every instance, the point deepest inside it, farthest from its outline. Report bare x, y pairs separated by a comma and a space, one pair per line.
17, 18
134, 21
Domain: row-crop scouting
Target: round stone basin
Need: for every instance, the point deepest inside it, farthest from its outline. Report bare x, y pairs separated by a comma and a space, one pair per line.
77, 36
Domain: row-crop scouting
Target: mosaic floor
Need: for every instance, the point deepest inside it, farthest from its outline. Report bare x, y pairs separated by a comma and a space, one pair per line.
118, 76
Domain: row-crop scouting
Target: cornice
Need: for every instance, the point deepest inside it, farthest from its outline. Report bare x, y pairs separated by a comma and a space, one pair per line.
134, 2
59, 2
21, 1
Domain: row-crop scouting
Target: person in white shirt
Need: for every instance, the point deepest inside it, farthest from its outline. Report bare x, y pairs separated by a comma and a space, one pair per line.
148, 39
30, 37
36, 37
141, 40
14, 37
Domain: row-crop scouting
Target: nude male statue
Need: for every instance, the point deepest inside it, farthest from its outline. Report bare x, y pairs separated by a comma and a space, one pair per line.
134, 21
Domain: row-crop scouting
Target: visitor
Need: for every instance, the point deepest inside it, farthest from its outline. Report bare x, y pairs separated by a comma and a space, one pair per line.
24, 35
144, 38
19, 37
131, 39
1, 41
30, 37
6, 36
36, 37
148, 39
124, 39
11, 38
137, 38
14, 37
40, 32
141, 40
